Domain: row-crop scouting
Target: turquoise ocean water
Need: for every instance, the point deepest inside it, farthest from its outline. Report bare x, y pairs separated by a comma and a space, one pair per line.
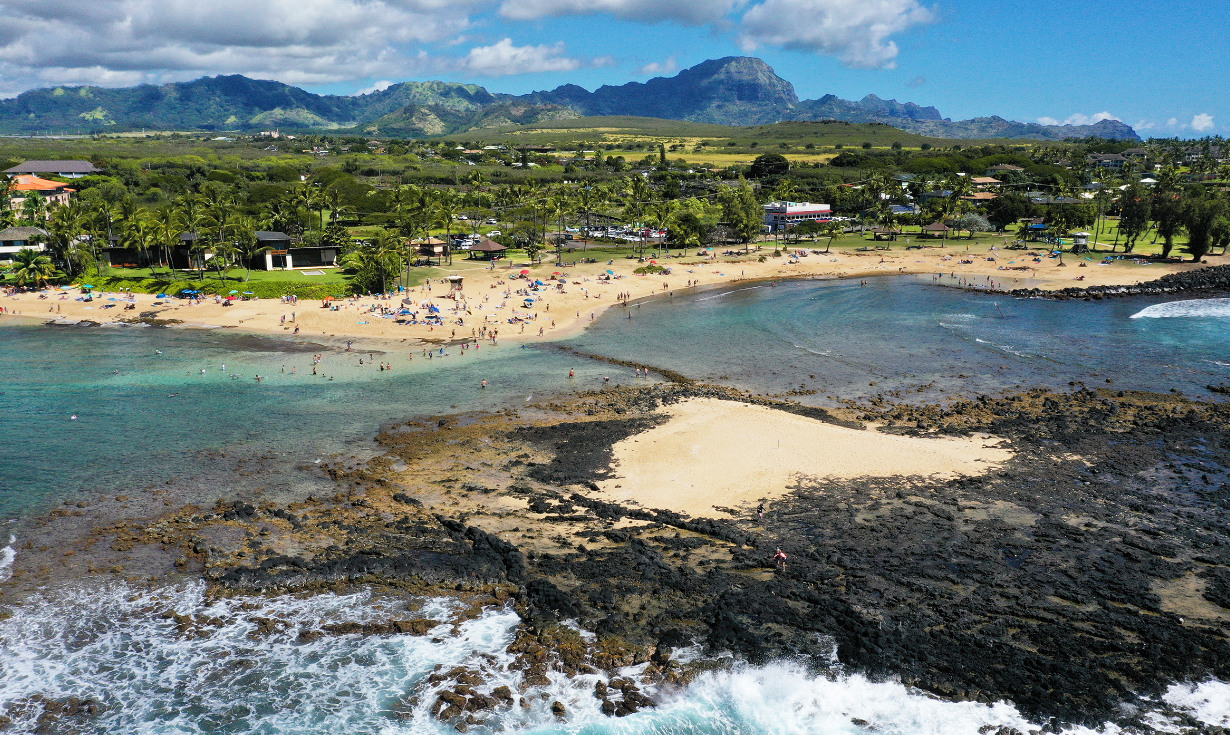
159, 418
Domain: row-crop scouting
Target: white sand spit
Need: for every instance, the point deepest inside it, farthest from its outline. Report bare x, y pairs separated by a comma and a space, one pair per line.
723, 453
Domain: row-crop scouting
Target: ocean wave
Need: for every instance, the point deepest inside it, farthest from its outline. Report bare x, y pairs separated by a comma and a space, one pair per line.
7, 556
1188, 308
214, 669
723, 294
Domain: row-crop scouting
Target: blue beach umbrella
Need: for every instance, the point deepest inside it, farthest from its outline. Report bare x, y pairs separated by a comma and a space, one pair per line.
88, 286
234, 292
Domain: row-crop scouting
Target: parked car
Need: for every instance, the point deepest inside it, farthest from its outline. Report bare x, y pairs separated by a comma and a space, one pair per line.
494, 233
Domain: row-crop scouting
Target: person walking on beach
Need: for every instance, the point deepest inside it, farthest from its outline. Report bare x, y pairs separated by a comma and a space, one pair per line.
760, 514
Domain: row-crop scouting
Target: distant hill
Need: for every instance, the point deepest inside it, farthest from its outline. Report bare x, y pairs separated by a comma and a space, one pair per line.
735, 90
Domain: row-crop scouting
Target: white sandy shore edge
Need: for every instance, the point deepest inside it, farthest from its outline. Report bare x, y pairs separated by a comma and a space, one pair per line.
723, 453
562, 315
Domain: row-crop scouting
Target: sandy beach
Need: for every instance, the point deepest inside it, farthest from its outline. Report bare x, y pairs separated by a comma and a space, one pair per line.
490, 297
722, 453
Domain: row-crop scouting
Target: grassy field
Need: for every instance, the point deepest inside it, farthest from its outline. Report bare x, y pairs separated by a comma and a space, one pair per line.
570, 133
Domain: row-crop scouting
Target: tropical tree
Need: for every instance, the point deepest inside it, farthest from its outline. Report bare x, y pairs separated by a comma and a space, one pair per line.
447, 206
32, 267
166, 230
247, 246
686, 229
1135, 209
34, 209
1200, 215
835, 231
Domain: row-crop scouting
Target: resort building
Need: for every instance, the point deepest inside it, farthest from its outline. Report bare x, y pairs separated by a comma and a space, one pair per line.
54, 192
63, 169
778, 216
1112, 161
17, 238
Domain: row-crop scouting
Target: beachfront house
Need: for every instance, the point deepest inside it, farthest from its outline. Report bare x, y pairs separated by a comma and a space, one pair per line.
17, 238
63, 169
281, 255
781, 216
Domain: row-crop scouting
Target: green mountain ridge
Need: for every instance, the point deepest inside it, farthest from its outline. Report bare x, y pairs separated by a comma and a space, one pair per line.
734, 91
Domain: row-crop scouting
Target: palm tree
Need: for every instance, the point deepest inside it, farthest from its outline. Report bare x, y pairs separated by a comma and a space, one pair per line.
166, 230
446, 212
247, 246
31, 266
34, 209
834, 230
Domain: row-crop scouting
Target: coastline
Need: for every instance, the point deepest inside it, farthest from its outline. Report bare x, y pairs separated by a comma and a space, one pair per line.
575, 310
515, 510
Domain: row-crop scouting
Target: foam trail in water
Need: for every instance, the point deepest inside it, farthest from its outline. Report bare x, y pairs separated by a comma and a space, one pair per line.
7, 555
1189, 308
218, 667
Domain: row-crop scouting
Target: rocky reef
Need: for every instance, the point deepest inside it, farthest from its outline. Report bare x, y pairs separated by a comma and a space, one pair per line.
1091, 569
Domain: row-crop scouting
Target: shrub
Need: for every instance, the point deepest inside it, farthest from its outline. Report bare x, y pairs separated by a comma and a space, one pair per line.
261, 289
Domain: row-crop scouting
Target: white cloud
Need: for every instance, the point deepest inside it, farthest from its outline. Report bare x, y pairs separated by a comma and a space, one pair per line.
690, 12
1202, 122
1145, 125
1172, 122
1079, 119
379, 86
856, 31
663, 67
120, 42
503, 59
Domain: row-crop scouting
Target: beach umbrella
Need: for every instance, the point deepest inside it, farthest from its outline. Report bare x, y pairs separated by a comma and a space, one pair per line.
234, 292
161, 296
610, 272
88, 286
248, 293
525, 272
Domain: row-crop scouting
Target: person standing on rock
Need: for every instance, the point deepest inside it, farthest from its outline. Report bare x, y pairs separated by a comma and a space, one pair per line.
779, 560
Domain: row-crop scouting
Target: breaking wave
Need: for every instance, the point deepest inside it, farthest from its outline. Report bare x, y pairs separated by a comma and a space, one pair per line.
7, 555
174, 660
1188, 308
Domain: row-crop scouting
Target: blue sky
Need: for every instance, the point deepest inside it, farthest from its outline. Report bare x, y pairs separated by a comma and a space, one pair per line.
1153, 65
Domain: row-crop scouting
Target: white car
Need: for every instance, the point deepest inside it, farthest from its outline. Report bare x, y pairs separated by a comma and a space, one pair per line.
494, 233
493, 222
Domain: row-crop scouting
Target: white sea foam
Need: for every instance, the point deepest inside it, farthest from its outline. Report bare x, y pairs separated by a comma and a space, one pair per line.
1208, 701
114, 645
1189, 308
7, 556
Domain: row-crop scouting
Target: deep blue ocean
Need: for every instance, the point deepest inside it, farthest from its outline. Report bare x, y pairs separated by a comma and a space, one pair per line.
100, 410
